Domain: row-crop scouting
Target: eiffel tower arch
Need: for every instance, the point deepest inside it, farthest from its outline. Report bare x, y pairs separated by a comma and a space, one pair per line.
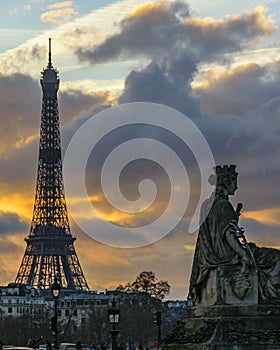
50, 248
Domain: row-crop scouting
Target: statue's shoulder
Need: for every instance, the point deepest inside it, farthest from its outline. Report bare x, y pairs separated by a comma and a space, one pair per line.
221, 202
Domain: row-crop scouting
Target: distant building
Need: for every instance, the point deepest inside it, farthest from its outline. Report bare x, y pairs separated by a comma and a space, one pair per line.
18, 300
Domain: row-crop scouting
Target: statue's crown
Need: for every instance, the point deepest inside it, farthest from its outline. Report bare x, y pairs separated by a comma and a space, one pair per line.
225, 170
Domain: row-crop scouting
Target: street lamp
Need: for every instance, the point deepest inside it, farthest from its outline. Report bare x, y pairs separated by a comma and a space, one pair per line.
55, 288
114, 316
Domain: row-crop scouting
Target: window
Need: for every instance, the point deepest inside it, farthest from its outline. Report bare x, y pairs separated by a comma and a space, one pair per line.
10, 310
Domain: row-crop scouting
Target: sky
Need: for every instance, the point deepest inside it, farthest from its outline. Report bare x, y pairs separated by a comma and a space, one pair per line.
216, 63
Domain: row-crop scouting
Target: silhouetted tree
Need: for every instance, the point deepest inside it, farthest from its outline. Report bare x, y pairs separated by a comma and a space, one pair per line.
147, 282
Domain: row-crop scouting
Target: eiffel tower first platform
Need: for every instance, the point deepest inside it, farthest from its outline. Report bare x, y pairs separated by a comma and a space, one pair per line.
50, 248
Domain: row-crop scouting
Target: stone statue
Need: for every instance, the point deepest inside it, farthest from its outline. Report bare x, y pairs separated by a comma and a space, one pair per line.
221, 244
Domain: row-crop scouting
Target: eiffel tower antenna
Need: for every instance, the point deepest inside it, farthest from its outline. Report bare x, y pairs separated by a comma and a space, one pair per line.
50, 248
50, 52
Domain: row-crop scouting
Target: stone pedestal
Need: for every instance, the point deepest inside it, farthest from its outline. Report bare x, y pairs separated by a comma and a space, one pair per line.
228, 285
255, 327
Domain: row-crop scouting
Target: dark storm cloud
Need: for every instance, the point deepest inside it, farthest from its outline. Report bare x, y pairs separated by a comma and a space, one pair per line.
75, 103
158, 84
11, 223
261, 233
20, 107
253, 145
175, 43
142, 33
154, 30
246, 100
20, 117
13, 228
21, 100
245, 126
240, 91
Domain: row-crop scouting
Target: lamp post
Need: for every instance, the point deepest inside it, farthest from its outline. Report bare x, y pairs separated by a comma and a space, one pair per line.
1, 304
55, 288
114, 315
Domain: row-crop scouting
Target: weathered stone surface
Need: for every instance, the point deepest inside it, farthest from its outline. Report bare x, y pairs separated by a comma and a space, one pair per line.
226, 328
227, 285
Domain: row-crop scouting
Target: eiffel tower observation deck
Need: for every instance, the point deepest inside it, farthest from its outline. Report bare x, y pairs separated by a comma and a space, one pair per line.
50, 248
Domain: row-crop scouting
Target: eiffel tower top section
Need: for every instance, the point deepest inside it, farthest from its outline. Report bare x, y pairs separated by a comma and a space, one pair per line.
50, 206
50, 251
49, 79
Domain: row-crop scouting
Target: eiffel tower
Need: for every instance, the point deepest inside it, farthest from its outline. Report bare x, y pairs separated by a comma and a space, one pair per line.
50, 248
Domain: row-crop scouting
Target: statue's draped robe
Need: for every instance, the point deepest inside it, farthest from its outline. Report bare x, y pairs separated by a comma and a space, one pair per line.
268, 263
213, 250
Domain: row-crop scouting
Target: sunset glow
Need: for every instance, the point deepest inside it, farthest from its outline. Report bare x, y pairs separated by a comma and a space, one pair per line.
217, 64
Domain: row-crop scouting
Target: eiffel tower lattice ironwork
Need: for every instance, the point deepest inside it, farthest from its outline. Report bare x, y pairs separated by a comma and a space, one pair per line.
50, 248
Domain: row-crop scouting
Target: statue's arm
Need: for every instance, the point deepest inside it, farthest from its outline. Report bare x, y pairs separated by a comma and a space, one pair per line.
230, 221
233, 241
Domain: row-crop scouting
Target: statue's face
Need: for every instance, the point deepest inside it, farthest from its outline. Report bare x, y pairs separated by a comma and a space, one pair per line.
232, 186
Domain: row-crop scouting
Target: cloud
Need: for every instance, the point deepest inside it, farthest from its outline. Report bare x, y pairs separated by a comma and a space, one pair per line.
74, 103
143, 32
168, 259
27, 7
59, 13
27, 58
260, 233
158, 84
21, 101
12, 226
244, 104
239, 91
20, 59
20, 107
156, 29
239, 118
176, 44
14, 11
11, 223
265, 216
61, 4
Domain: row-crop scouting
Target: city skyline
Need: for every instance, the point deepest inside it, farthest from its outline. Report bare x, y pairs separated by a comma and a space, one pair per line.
218, 64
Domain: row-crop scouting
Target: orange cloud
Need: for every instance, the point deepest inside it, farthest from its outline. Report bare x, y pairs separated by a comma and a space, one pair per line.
61, 12
204, 23
257, 19
62, 4
267, 216
204, 79
147, 9
103, 254
17, 203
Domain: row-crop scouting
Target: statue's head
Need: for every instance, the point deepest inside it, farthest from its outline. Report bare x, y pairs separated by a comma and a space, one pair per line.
225, 178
